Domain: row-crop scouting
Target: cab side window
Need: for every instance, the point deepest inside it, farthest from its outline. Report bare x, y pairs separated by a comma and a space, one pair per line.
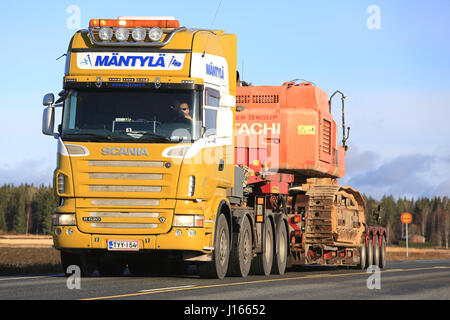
212, 98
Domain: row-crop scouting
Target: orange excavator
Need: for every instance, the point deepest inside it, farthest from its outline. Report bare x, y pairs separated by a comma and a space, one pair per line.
287, 142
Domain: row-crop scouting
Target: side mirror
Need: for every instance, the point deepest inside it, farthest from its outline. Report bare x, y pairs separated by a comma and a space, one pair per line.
49, 99
227, 101
224, 123
48, 121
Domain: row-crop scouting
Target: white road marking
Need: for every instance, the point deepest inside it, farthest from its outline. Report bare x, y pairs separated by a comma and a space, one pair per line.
26, 278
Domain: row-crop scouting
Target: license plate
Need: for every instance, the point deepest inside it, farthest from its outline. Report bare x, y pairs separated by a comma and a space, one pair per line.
123, 245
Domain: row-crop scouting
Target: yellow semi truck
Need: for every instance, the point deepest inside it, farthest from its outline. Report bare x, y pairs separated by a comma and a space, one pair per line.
155, 167
143, 165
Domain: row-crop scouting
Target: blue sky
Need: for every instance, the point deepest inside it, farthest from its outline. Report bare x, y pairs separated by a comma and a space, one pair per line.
395, 77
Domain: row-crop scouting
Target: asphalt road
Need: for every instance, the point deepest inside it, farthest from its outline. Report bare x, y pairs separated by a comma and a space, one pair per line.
401, 280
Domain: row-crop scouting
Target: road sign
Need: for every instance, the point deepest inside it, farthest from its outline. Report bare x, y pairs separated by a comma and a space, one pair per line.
406, 218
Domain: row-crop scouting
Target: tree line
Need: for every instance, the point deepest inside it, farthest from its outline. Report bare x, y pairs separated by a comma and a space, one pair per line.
28, 209
431, 218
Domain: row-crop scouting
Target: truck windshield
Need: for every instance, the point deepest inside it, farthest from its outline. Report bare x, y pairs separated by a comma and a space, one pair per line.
131, 116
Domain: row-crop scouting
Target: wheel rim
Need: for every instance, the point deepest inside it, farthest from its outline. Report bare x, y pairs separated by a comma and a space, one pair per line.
282, 248
247, 247
223, 247
363, 257
268, 246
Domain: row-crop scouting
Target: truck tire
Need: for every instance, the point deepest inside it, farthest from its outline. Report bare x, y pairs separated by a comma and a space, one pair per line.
84, 261
376, 251
383, 253
218, 267
369, 252
262, 263
241, 255
281, 252
362, 257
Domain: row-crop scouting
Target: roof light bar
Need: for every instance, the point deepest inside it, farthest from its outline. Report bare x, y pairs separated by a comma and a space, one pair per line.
133, 31
116, 23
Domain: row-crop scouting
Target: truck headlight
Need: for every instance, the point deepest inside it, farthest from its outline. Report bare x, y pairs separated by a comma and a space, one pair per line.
138, 34
105, 34
190, 221
122, 34
155, 34
63, 219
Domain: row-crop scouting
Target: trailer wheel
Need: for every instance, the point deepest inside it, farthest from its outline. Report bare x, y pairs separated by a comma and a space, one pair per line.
376, 251
362, 257
369, 252
84, 261
281, 252
219, 266
241, 255
262, 263
383, 253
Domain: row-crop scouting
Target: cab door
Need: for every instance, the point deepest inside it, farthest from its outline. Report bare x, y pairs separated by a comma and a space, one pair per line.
219, 151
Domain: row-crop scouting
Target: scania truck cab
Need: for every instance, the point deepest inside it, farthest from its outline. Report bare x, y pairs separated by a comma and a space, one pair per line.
145, 148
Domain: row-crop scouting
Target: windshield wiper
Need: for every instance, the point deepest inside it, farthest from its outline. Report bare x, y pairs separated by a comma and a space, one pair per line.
90, 136
146, 134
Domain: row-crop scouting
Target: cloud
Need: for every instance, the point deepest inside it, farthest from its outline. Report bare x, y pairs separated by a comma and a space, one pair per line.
441, 190
27, 171
394, 172
359, 161
411, 176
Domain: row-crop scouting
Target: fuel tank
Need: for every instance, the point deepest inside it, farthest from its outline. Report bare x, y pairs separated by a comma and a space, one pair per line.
288, 129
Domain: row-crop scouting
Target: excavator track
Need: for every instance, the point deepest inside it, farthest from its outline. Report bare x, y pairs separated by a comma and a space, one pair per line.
335, 215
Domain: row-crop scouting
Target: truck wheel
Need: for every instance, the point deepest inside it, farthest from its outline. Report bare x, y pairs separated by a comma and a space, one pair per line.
241, 255
84, 261
262, 263
383, 253
369, 252
219, 266
111, 266
281, 252
362, 257
376, 251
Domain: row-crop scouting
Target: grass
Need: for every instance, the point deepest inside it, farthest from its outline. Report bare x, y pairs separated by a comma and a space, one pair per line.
29, 260
402, 243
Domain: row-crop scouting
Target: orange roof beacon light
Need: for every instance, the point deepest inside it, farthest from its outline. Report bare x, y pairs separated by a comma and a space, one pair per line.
133, 31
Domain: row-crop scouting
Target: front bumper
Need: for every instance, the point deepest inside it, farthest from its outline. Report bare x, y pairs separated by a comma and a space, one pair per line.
70, 237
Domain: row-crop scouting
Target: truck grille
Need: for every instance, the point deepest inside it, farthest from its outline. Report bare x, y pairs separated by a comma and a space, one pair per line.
124, 221
124, 196
124, 163
124, 178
